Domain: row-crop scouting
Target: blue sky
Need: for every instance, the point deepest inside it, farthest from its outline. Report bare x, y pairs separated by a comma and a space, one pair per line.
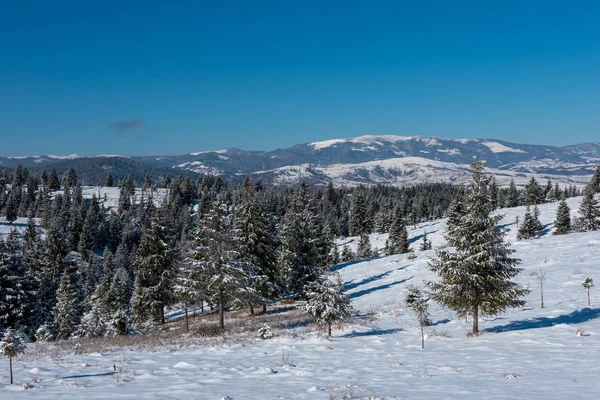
153, 77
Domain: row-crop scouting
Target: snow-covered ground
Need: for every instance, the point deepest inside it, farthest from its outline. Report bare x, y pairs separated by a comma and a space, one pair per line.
528, 353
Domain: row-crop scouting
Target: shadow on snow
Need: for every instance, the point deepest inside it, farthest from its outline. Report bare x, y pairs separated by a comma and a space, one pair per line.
376, 288
576, 317
374, 332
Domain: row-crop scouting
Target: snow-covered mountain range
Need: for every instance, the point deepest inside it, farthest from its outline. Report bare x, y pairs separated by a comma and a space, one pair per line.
373, 159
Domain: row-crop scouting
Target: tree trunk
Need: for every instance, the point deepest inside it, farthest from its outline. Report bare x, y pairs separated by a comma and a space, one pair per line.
329, 329
162, 314
264, 308
422, 338
11, 377
221, 310
589, 297
251, 309
476, 320
542, 287
187, 322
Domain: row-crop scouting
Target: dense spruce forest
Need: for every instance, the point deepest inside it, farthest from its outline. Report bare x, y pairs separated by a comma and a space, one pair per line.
82, 268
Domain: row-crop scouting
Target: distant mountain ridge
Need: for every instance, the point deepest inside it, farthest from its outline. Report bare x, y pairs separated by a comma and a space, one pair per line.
369, 159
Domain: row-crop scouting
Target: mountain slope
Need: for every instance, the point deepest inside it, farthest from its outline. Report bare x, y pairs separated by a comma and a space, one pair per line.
370, 159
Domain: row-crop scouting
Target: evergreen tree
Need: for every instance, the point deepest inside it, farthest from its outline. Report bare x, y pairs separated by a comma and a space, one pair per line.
257, 244
595, 181
110, 181
536, 219
562, 223
512, 198
218, 268
398, 239
53, 182
364, 250
155, 273
12, 204
528, 228
300, 257
589, 212
327, 301
532, 194
358, 219
66, 312
11, 346
415, 300
425, 243
475, 278
13, 296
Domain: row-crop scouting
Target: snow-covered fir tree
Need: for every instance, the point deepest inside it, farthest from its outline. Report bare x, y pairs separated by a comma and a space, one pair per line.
417, 302
475, 277
300, 253
257, 245
589, 212
425, 243
67, 312
364, 250
398, 239
358, 218
11, 346
562, 223
218, 269
327, 301
528, 229
14, 299
155, 272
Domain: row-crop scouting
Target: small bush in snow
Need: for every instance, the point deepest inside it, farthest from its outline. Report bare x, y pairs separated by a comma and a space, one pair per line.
265, 332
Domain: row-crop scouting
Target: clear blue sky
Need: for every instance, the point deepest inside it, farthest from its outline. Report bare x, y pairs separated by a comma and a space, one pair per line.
106, 77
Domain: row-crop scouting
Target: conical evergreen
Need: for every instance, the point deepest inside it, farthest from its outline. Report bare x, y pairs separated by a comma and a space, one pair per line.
327, 301
589, 212
67, 310
475, 277
398, 239
528, 228
155, 273
562, 222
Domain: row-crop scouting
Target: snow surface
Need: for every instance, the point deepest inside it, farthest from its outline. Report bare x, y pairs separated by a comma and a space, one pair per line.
496, 147
526, 353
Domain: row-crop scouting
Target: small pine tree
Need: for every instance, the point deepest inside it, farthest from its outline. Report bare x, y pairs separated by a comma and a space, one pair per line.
398, 239
528, 228
364, 250
588, 284
11, 346
589, 212
347, 254
562, 223
327, 301
425, 243
415, 300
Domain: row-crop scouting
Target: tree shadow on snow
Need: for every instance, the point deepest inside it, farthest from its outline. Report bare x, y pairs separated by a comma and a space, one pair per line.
576, 317
376, 288
546, 230
87, 375
351, 285
373, 332
419, 237
337, 267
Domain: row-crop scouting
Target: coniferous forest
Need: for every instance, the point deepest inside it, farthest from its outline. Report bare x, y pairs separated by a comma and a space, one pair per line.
84, 268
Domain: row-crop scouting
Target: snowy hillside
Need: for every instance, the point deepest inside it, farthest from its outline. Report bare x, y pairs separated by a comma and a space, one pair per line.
528, 353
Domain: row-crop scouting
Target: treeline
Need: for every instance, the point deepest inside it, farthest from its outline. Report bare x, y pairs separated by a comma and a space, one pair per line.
96, 271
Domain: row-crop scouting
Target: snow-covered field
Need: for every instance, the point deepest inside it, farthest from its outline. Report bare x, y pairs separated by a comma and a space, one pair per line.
528, 353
